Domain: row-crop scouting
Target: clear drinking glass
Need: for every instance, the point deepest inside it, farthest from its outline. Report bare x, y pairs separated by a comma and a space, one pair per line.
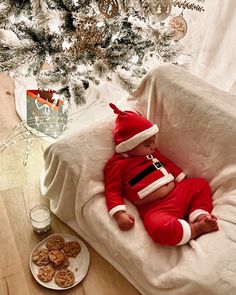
40, 218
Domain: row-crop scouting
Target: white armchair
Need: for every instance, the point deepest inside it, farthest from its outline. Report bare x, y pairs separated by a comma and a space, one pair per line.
197, 131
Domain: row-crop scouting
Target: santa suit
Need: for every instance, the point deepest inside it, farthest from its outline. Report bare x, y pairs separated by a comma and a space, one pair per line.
136, 177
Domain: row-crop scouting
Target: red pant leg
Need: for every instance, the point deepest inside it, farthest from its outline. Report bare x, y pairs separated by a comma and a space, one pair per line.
166, 229
198, 192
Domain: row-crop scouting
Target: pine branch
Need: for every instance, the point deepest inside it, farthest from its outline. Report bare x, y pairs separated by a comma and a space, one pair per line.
124, 5
40, 13
69, 4
77, 91
144, 8
100, 69
48, 79
12, 7
155, 35
185, 4
19, 5
63, 5
5, 11
65, 93
36, 66
52, 4
14, 55
127, 83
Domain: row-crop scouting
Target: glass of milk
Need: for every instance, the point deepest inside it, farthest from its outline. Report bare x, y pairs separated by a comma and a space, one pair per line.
40, 218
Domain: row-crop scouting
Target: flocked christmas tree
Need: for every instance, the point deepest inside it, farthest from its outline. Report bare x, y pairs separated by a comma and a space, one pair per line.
85, 40
67, 44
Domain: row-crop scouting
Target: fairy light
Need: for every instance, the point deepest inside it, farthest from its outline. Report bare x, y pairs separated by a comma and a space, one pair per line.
27, 152
28, 130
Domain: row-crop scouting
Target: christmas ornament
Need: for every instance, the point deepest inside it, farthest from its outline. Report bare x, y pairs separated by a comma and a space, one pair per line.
161, 9
108, 8
87, 39
151, 60
178, 27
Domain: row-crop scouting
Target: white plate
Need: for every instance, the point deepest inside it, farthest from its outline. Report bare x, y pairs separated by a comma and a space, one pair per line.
79, 265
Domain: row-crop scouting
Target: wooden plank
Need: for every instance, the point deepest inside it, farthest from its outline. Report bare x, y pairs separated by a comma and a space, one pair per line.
13, 281
103, 278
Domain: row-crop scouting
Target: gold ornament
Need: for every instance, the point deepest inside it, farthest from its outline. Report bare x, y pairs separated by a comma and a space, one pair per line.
108, 8
178, 27
161, 9
88, 38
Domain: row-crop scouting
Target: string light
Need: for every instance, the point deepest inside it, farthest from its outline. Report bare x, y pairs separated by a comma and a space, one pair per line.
30, 129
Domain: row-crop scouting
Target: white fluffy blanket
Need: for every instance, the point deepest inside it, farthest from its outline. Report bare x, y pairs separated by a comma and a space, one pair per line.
198, 131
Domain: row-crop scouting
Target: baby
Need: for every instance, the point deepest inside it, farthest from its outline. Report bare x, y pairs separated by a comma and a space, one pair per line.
174, 209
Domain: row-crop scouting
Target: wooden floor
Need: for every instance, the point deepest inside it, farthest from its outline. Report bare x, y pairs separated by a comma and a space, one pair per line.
19, 191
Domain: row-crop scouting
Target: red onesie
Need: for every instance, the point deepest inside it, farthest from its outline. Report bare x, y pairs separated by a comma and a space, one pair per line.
164, 219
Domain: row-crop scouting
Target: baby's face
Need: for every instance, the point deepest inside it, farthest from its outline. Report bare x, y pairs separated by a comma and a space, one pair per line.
147, 147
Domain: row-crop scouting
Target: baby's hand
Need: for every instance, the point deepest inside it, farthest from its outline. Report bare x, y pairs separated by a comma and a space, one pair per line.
124, 220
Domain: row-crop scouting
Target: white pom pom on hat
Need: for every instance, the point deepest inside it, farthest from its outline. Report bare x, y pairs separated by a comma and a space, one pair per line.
131, 129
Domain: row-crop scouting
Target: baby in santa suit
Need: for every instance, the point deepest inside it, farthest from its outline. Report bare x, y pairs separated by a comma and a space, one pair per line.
174, 209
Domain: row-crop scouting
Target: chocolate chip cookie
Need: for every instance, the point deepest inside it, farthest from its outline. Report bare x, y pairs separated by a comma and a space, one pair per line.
64, 278
72, 248
63, 265
46, 273
55, 243
41, 257
57, 257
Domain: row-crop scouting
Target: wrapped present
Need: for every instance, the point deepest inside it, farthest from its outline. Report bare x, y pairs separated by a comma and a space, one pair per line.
46, 114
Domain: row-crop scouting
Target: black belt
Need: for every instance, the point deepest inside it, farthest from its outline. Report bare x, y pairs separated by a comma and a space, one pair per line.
145, 172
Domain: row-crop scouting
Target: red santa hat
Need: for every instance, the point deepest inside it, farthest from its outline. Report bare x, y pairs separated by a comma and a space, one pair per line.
131, 129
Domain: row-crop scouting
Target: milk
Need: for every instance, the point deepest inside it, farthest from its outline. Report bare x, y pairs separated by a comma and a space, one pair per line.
40, 217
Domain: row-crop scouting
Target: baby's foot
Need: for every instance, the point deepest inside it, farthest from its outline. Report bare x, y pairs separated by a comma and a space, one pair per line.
206, 225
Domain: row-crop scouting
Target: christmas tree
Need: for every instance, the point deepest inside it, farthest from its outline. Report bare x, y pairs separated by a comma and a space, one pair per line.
84, 41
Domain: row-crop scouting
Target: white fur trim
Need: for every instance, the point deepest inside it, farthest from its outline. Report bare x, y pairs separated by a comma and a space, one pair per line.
116, 209
155, 185
194, 215
131, 143
180, 177
186, 232
164, 171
